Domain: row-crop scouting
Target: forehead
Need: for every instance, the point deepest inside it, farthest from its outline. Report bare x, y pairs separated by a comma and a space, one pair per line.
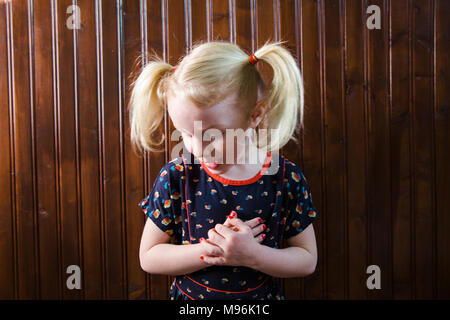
184, 112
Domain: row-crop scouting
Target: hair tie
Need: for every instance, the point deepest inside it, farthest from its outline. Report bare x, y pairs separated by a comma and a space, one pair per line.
253, 59
173, 69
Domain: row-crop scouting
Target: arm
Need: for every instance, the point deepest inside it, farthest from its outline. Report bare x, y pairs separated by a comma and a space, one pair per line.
157, 256
241, 249
298, 260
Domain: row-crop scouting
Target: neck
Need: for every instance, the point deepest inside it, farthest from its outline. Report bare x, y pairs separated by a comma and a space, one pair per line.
247, 164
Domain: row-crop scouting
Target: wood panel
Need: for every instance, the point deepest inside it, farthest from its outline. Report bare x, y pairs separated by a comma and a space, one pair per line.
441, 109
374, 145
356, 149
401, 164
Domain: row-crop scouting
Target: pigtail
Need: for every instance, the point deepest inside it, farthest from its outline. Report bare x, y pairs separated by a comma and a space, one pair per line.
208, 74
284, 96
146, 107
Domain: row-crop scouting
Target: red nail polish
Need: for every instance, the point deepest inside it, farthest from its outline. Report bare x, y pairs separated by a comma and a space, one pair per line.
201, 239
232, 215
264, 227
263, 236
201, 257
259, 220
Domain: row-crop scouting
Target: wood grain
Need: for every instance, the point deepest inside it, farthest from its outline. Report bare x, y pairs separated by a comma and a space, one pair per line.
374, 144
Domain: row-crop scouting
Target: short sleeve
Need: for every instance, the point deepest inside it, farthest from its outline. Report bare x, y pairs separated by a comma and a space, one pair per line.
301, 211
160, 204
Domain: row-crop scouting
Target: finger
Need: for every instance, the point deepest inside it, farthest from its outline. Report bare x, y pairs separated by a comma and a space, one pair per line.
224, 231
254, 222
240, 224
230, 225
231, 216
216, 237
212, 260
260, 228
210, 249
260, 238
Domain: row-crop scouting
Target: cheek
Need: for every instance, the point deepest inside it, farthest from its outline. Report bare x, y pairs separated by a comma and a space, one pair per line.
220, 144
187, 143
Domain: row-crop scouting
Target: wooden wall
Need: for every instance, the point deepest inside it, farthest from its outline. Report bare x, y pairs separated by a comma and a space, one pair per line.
375, 145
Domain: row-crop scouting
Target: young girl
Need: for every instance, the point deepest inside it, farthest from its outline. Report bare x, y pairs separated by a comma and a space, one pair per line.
227, 219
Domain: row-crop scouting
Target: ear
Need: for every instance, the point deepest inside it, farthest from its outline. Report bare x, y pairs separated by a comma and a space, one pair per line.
258, 113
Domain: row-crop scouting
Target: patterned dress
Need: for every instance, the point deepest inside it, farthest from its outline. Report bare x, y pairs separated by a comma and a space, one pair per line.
187, 200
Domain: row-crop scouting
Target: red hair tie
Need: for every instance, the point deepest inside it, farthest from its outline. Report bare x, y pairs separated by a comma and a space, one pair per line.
253, 59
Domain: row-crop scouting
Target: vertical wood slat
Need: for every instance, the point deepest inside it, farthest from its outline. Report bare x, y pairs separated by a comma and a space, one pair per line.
66, 147
218, 21
289, 21
158, 285
26, 229
121, 101
334, 146
374, 145
178, 41
133, 176
442, 141
143, 60
111, 179
8, 274
91, 209
379, 154
355, 150
312, 136
46, 164
422, 78
401, 151
100, 145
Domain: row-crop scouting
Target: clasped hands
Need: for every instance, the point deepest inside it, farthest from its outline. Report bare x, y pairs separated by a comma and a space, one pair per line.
233, 243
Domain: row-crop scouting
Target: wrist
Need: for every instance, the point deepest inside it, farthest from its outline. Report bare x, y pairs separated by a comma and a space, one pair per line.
199, 250
253, 261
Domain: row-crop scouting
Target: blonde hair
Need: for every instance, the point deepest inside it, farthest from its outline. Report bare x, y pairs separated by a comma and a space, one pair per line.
210, 72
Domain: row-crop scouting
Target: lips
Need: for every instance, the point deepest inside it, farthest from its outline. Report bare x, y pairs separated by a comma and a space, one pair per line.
210, 165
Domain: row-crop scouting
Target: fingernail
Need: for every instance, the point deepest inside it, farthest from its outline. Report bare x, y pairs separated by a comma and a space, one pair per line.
201, 239
264, 227
201, 257
263, 236
232, 215
259, 220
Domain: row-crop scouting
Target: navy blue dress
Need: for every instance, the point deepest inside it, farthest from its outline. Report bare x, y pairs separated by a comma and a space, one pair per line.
187, 200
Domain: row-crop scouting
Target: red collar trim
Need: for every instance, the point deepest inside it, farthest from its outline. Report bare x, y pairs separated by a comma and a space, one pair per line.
240, 182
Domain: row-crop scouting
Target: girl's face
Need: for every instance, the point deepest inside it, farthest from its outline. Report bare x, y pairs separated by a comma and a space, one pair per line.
221, 116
